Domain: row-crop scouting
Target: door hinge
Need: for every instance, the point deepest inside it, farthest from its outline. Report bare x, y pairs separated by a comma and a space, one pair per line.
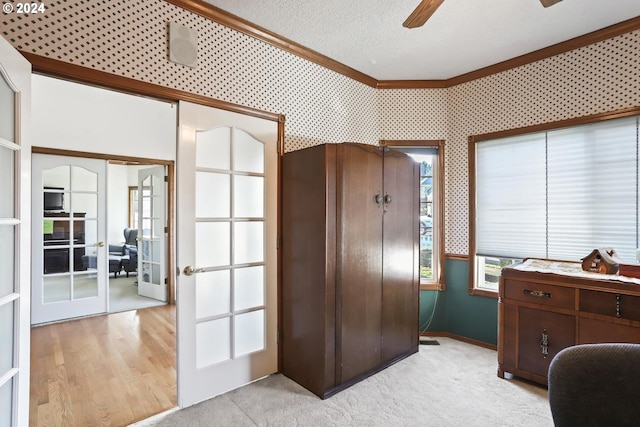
166, 178
166, 230
166, 280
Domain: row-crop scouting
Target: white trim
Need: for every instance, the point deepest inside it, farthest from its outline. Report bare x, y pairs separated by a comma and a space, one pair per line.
11, 373
9, 298
9, 144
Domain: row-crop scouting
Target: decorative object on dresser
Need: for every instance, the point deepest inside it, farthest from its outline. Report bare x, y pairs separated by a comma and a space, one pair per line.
545, 306
350, 263
602, 260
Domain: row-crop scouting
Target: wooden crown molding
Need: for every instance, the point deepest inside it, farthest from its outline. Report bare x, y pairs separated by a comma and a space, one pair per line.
547, 52
228, 20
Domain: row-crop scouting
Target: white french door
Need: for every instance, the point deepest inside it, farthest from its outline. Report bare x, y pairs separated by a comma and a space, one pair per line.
15, 152
226, 252
152, 241
69, 257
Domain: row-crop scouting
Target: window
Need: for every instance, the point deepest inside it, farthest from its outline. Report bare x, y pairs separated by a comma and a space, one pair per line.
556, 194
430, 156
133, 207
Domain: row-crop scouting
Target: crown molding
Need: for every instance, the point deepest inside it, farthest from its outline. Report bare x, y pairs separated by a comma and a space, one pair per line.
222, 17
412, 84
228, 20
547, 52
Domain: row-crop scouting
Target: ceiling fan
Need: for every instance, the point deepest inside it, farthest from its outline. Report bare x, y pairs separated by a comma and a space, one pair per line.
426, 8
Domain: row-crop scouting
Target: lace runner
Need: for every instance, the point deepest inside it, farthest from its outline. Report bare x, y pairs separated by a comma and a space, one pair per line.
567, 268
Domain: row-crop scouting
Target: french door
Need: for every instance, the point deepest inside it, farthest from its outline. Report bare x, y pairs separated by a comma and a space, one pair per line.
15, 152
226, 253
69, 257
152, 241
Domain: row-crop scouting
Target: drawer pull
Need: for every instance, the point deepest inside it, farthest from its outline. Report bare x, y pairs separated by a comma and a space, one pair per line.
544, 344
538, 294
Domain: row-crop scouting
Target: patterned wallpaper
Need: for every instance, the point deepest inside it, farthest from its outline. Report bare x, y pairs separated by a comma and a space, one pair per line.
129, 38
598, 78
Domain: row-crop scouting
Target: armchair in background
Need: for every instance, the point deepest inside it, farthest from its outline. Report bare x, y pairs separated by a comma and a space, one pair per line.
131, 249
595, 385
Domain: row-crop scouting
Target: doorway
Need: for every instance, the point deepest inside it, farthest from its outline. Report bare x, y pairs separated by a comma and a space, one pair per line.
136, 224
77, 123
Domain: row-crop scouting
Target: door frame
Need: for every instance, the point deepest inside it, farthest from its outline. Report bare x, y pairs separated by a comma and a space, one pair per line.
170, 165
75, 73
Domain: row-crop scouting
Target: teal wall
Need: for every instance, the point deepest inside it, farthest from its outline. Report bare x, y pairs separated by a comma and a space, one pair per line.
456, 312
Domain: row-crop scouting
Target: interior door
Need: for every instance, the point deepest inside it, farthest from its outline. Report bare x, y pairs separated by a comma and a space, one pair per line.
15, 105
226, 226
69, 257
152, 239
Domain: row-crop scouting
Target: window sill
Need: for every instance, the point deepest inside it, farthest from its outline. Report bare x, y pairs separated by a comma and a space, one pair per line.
432, 287
483, 293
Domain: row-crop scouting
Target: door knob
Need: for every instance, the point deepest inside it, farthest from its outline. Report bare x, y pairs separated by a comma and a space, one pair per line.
387, 199
377, 199
99, 245
190, 271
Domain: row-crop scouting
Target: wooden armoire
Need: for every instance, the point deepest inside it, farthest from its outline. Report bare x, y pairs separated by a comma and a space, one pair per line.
350, 263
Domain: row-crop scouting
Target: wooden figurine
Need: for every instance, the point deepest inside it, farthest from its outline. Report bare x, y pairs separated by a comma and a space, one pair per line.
602, 260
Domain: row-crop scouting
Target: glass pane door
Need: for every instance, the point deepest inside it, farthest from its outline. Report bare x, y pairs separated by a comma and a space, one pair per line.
151, 233
227, 222
15, 98
69, 273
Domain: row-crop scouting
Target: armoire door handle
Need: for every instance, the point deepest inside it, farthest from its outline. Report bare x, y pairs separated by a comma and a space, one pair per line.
377, 199
387, 199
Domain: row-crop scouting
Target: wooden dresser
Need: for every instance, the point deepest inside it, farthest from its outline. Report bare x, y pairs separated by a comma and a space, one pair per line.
545, 306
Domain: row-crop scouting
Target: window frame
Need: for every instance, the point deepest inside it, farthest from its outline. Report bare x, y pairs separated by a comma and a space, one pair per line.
437, 283
471, 154
133, 206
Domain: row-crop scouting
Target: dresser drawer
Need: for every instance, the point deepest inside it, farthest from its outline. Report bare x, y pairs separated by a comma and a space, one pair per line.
610, 304
537, 293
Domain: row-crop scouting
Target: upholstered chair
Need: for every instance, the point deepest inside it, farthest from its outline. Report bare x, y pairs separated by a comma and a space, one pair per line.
595, 385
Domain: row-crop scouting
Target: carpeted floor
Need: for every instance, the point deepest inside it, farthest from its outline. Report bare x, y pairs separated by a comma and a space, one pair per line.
123, 295
451, 384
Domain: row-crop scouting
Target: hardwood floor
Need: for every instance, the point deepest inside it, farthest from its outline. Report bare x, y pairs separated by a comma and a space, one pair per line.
107, 370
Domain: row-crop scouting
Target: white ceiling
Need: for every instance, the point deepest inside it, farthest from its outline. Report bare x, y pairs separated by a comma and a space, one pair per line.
462, 36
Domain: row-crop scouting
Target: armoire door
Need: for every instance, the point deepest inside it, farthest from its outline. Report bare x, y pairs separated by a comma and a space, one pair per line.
400, 312
359, 270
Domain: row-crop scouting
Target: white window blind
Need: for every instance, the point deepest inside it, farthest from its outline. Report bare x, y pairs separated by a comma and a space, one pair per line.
510, 197
559, 194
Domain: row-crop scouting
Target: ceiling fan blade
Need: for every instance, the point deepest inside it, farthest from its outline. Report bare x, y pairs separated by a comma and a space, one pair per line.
423, 12
547, 3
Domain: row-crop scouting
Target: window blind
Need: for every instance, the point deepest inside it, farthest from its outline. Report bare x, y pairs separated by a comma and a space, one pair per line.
559, 194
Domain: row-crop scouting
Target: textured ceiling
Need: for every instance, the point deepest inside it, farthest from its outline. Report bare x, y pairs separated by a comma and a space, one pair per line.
462, 36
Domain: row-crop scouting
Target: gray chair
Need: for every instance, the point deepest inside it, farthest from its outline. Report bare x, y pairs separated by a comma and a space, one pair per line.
131, 250
595, 385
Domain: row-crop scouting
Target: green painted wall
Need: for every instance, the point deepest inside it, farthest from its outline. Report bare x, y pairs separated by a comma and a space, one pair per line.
457, 312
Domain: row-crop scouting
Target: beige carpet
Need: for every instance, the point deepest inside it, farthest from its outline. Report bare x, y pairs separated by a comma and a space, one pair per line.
452, 384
